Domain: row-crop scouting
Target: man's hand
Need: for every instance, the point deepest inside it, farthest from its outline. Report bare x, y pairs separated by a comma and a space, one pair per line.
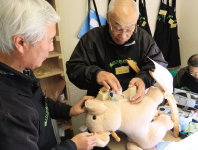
85, 141
77, 109
109, 80
140, 89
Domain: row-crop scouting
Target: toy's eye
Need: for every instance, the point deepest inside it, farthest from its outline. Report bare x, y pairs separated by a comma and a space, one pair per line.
94, 117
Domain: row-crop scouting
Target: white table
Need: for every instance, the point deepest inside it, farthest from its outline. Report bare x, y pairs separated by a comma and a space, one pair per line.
114, 145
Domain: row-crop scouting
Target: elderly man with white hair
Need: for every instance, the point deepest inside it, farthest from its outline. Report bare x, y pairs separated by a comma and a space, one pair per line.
27, 30
99, 58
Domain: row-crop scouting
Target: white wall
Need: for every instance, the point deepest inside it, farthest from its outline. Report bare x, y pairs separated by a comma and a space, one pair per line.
73, 14
188, 30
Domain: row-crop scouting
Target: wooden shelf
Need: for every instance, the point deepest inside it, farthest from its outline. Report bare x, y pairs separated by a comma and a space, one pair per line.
50, 76
55, 54
52, 72
65, 101
57, 38
68, 126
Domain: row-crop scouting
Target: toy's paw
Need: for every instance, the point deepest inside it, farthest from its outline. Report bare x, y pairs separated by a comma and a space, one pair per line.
102, 139
166, 121
133, 146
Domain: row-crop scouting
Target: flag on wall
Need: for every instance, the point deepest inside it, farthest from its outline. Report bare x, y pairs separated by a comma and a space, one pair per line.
93, 23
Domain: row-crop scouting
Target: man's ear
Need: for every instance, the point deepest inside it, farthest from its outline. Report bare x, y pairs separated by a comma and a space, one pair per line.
19, 43
107, 16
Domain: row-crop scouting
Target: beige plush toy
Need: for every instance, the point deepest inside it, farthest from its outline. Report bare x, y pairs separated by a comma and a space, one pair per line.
135, 120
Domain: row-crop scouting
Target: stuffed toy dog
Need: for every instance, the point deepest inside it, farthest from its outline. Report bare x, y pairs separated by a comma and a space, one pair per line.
135, 120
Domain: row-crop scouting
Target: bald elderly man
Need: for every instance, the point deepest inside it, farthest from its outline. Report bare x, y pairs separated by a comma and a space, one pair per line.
99, 57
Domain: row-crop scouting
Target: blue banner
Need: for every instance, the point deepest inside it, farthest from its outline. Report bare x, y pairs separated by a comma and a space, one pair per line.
93, 23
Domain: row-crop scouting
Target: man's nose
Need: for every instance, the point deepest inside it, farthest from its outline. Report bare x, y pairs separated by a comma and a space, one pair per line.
123, 34
196, 76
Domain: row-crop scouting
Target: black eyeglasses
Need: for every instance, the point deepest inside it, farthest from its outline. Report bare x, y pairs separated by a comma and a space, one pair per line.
127, 32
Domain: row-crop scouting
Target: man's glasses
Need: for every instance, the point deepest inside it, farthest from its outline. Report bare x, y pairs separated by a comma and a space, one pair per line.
127, 32
193, 74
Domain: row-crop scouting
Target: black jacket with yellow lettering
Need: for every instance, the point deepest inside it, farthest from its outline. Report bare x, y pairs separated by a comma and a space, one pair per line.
90, 56
25, 114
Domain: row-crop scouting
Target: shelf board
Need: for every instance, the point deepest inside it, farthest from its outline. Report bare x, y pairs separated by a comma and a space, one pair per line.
54, 54
52, 72
57, 38
68, 126
65, 101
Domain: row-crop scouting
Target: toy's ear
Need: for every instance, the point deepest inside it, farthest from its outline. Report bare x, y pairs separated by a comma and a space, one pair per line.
95, 106
155, 93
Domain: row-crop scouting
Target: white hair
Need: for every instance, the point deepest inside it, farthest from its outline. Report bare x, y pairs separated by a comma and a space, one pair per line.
130, 3
29, 18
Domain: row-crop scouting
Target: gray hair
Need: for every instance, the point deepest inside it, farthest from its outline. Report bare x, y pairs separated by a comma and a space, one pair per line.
193, 60
29, 18
113, 4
